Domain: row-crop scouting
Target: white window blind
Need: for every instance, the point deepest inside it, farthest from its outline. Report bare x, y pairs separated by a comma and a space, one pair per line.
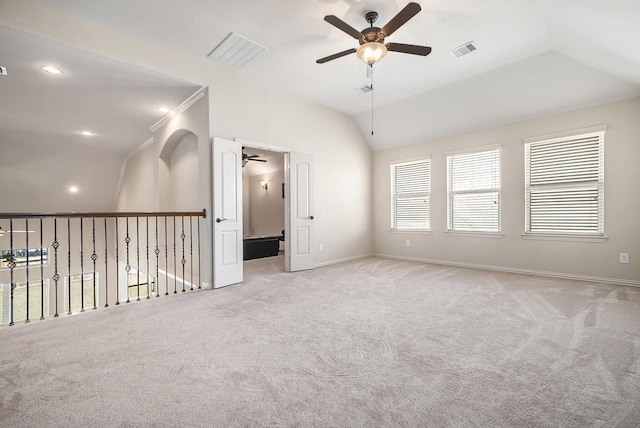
410, 188
474, 191
564, 185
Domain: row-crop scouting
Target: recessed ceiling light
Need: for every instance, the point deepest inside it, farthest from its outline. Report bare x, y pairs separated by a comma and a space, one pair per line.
87, 133
163, 110
73, 189
51, 69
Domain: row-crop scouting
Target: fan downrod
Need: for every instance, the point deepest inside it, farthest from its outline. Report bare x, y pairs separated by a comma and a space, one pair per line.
371, 17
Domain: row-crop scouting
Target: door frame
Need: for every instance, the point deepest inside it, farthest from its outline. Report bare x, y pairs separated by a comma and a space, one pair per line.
277, 149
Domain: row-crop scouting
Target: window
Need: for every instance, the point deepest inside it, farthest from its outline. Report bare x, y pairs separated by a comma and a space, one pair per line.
138, 285
79, 290
36, 256
564, 185
474, 191
38, 301
410, 188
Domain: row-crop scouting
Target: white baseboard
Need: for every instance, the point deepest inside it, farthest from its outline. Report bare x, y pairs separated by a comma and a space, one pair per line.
616, 281
347, 259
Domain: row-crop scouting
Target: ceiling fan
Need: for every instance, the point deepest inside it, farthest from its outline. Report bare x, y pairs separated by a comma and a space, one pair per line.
371, 39
246, 158
3, 232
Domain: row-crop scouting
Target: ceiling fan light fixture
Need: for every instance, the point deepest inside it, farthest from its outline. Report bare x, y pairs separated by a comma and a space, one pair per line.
371, 52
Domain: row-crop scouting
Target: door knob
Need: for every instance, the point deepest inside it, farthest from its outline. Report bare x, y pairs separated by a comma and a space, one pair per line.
310, 217
219, 220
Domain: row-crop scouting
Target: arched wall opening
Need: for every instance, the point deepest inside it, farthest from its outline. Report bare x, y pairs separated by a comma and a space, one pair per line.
178, 172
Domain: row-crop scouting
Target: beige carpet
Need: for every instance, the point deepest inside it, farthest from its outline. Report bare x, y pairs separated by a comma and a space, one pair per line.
367, 343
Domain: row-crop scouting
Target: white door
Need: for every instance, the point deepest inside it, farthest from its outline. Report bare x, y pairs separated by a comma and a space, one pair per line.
299, 245
227, 212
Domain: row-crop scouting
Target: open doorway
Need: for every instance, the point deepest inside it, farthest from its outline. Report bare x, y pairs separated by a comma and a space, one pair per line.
263, 205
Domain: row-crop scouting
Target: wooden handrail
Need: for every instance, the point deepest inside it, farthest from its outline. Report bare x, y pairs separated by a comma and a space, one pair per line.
202, 214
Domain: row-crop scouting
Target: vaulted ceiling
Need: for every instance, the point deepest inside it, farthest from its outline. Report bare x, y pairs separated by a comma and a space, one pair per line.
533, 58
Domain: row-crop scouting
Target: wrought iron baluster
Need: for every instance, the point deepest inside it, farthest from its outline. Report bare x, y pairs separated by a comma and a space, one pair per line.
199, 263
117, 266
138, 257
166, 259
191, 249
81, 267
42, 272
175, 259
183, 261
157, 251
12, 265
106, 266
26, 239
94, 257
128, 267
148, 276
56, 276
69, 263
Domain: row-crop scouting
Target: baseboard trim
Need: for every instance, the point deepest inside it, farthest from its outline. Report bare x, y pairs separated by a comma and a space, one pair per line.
615, 281
346, 259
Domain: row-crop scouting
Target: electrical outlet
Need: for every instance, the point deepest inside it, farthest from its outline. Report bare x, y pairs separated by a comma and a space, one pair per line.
624, 258
407, 243
3, 70
321, 247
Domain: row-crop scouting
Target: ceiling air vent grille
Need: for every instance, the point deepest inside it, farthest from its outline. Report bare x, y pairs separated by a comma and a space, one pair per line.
235, 51
463, 50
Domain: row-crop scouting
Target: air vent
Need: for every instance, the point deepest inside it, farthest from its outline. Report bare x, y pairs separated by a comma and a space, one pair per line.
364, 89
463, 50
235, 51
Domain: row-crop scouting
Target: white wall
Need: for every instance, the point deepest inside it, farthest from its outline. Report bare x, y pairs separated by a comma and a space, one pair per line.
600, 260
137, 189
183, 169
342, 160
249, 110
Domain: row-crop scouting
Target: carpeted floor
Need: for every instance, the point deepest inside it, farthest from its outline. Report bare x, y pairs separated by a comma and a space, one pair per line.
367, 343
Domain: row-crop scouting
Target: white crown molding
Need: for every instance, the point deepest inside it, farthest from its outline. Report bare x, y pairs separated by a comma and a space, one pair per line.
181, 108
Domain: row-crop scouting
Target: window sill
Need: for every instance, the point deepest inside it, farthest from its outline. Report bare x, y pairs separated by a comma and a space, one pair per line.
568, 238
412, 231
492, 235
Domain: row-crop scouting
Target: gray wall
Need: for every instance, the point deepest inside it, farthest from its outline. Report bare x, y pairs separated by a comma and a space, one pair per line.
585, 259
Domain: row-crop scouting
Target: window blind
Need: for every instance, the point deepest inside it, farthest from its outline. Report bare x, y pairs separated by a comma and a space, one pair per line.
474, 191
410, 189
564, 182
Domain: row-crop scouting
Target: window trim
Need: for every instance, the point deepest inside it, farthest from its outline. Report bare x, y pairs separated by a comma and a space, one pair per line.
392, 165
475, 233
599, 236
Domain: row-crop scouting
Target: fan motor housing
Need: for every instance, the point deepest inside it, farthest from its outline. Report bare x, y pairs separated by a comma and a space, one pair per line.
371, 34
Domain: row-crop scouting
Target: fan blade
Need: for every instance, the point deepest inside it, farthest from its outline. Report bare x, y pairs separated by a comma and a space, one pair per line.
335, 56
410, 49
403, 16
257, 160
341, 25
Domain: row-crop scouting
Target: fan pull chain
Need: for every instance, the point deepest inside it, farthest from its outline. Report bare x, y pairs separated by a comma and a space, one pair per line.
371, 87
